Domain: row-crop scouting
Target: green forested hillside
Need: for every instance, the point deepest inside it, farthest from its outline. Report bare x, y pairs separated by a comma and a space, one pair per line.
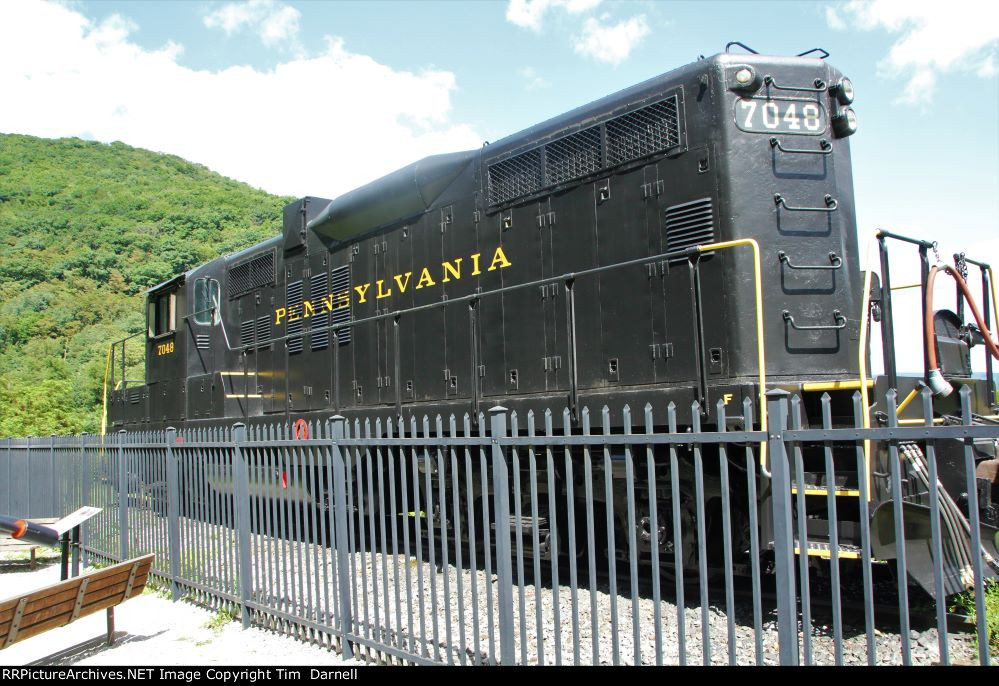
85, 227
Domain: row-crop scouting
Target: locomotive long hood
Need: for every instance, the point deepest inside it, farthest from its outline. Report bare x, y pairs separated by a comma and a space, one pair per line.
405, 193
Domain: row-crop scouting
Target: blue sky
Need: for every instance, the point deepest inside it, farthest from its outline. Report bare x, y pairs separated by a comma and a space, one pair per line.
316, 98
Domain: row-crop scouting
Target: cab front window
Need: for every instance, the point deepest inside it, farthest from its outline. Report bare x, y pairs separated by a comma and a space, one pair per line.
162, 314
207, 302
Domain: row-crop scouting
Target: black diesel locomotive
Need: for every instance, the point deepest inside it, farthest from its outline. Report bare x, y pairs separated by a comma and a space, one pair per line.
564, 265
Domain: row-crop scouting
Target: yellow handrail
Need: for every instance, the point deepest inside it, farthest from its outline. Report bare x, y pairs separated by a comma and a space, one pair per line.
862, 356
761, 357
104, 401
995, 305
905, 403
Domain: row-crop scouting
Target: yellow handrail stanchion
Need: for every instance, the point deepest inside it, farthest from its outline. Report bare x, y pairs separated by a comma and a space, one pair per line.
862, 356
995, 305
104, 400
761, 358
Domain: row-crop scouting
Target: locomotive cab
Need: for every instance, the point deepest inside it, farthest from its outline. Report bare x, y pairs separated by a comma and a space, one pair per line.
166, 369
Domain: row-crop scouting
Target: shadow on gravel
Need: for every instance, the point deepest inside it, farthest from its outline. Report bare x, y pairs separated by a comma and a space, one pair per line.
95, 646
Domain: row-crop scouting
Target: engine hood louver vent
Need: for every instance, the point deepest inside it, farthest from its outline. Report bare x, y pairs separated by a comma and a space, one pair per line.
295, 298
689, 224
340, 282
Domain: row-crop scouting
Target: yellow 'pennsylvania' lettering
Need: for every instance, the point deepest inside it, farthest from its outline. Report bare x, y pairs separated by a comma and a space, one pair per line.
425, 279
450, 271
499, 259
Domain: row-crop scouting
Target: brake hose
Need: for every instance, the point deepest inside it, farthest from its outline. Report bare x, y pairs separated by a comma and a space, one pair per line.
936, 380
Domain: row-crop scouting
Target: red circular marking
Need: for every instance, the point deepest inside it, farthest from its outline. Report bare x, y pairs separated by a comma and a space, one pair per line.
301, 429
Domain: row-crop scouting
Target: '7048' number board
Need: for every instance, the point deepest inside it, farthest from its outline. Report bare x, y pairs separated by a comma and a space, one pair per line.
768, 115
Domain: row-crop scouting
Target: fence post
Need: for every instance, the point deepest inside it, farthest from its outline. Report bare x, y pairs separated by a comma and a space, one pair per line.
122, 498
501, 505
241, 476
57, 510
173, 512
84, 497
5, 503
338, 426
780, 490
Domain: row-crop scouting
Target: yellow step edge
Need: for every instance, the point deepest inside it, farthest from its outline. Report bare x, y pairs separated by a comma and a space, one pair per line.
847, 385
826, 554
849, 492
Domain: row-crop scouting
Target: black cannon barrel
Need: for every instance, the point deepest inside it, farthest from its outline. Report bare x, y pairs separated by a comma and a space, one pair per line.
28, 531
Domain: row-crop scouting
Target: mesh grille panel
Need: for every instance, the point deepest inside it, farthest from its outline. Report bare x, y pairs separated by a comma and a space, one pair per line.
689, 224
649, 130
263, 269
240, 280
251, 274
573, 156
514, 177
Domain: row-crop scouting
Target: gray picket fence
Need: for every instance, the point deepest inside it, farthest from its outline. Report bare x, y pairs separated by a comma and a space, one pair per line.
506, 539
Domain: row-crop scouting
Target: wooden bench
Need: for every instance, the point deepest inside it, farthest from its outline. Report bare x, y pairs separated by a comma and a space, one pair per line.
59, 604
8, 544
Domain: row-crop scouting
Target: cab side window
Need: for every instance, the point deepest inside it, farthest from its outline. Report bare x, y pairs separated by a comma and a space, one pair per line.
162, 314
207, 302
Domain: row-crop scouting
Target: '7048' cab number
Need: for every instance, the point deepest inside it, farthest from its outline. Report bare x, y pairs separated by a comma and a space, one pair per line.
758, 115
164, 348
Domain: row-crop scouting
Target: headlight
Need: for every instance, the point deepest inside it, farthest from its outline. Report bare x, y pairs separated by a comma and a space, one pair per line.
843, 91
844, 123
744, 78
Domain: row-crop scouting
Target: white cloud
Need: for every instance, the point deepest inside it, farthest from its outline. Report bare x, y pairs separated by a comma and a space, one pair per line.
280, 25
611, 43
79, 78
936, 38
275, 22
532, 80
530, 14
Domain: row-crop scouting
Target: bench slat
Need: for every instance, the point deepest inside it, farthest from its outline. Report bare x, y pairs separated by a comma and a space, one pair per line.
67, 607
122, 567
55, 623
97, 580
54, 609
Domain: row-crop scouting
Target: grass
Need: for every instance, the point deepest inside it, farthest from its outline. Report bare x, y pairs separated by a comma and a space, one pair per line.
42, 556
965, 603
224, 616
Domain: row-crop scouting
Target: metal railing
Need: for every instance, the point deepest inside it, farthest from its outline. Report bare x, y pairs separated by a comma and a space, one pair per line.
539, 540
